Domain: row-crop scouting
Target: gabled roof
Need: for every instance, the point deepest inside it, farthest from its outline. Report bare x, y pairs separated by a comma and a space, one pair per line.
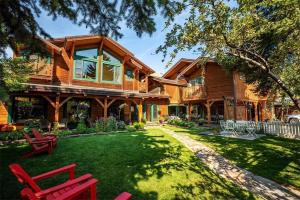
169, 81
66, 42
177, 67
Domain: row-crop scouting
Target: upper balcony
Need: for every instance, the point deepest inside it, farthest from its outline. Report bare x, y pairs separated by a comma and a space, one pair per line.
196, 92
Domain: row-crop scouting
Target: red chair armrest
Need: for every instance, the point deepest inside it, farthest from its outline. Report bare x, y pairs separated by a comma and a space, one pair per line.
41, 141
91, 184
52, 135
64, 185
69, 168
124, 196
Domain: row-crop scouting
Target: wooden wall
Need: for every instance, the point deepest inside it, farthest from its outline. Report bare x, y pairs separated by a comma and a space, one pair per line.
3, 113
175, 93
218, 83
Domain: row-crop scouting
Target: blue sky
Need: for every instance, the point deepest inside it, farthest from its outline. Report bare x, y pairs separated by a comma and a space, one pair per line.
143, 48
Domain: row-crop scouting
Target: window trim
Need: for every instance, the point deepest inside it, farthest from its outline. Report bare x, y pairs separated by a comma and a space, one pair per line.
114, 65
85, 59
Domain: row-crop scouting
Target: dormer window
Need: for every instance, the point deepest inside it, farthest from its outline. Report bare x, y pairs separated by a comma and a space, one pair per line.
129, 75
111, 69
86, 62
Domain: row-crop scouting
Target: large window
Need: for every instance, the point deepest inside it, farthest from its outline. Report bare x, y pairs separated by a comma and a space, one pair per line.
86, 62
111, 69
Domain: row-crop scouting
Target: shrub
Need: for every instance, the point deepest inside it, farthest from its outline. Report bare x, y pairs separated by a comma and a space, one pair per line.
81, 128
11, 136
64, 132
138, 125
100, 125
130, 128
121, 125
32, 123
111, 124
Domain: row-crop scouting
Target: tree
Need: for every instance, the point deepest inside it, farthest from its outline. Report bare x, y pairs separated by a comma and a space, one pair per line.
260, 39
18, 23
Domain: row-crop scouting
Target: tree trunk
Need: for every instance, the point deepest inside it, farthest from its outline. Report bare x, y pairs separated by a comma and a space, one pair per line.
285, 89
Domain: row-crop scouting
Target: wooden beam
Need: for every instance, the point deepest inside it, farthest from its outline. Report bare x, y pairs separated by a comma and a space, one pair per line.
140, 111
49, 100
105, 108
71, 64
111, 102
100, 102
64, 101
65, 57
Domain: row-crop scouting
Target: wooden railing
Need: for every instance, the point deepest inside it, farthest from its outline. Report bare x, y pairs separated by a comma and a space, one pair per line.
194, 92
143, 86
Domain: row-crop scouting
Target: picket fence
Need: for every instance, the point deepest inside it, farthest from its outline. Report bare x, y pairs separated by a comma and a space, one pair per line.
286, 130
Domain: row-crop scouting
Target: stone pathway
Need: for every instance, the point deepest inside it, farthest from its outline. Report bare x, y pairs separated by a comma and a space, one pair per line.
263, 187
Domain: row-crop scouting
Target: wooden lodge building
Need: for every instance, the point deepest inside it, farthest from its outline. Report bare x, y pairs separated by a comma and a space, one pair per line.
98, 77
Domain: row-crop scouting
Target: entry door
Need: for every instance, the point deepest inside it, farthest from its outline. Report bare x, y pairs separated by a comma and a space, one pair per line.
153, 112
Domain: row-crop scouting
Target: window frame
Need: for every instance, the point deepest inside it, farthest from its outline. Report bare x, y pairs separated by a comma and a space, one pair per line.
115, 65
86, 59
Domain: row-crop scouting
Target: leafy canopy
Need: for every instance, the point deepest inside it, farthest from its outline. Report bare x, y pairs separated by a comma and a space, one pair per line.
260, 39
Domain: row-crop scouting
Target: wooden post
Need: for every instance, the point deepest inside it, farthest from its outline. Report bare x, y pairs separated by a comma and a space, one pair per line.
190, 111
225, 109
148, 112
256, 111
234, 96
263, 111
56, 115
105, 108
140, 111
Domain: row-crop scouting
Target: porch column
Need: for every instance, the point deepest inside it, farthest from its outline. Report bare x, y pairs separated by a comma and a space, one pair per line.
148, 112
256, 111
190, 111
105, 109
56, 114
263, 111
225, 109
140, 111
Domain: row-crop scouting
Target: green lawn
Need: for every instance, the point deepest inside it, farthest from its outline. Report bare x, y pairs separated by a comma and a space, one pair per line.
271, 157
150, 165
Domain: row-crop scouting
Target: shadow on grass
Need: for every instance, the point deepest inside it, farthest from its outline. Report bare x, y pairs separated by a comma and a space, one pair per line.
150, 165
271, 157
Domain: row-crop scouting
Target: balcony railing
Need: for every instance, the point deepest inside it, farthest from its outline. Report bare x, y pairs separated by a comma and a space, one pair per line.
194, 92
143, 86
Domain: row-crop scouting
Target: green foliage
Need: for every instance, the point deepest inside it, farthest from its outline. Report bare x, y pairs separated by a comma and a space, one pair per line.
111, 124
100, 125
130, 128
138, 125
62, 133
256, 38
121, 125
32, 123
55, 127
181, 123
101, 17
81, 128
11, 136
13, 72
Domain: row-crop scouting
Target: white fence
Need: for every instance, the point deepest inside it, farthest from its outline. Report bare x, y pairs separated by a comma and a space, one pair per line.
286, 130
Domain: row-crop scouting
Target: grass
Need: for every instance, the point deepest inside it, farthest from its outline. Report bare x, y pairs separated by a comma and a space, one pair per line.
149, 164
271, 157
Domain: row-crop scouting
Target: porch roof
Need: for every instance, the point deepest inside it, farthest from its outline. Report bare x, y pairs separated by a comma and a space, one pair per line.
71, 89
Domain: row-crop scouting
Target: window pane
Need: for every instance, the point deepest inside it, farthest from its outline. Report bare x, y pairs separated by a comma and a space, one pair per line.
129, 74
87, 53
78, 69
118, 77
108, 72
89, 69
110, 58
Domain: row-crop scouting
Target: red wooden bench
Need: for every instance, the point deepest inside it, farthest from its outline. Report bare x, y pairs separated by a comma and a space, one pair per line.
38, 146
83, 187
39, 136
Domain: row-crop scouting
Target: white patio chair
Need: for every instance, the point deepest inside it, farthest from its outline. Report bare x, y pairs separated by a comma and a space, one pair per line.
230, 127
222, 125
251, 129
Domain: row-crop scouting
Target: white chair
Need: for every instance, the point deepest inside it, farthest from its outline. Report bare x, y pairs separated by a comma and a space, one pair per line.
251, 128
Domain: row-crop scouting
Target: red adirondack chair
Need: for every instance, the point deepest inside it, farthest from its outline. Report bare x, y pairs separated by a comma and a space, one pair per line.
39, 136
81, 188
38, 146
